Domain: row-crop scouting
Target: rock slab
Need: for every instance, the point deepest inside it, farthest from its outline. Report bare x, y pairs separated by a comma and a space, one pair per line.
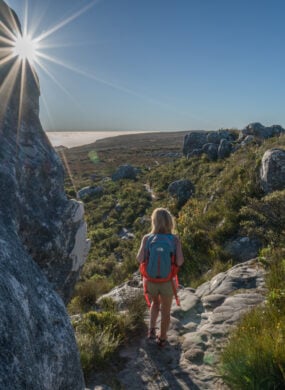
198, 331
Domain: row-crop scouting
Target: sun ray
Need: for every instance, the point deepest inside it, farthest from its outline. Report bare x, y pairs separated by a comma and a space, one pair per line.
13, 24
7, 86
7, 40
26, 13
68, 170
22, 92
88, 75
66, 21
54, 79
6, 59
50, 118
105, 82
7, 31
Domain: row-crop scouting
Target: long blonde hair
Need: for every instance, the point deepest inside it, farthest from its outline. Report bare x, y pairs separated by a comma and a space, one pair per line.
162, 221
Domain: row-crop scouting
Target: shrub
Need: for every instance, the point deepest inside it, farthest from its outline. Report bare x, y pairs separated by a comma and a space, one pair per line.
87, 292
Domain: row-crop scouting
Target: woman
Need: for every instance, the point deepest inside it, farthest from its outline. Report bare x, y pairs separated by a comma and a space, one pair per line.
161, 293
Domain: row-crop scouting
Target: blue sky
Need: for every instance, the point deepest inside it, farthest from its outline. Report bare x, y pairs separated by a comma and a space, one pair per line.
161, 64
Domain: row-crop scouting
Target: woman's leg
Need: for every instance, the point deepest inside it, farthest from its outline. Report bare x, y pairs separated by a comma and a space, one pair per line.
154, 310
165, 302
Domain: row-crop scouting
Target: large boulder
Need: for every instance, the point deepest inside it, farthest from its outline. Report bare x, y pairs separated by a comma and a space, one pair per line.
125, 172
182, 190
43, 237
272, 171
211, 151
225, 149
243, 248
194, 140
90, 191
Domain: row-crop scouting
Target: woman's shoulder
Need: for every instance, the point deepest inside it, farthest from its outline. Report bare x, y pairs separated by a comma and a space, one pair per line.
146, 237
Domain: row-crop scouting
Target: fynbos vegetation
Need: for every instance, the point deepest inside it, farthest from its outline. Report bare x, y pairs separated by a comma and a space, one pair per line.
227, 208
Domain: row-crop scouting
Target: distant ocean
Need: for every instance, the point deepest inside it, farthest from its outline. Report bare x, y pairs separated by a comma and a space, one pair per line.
70, 139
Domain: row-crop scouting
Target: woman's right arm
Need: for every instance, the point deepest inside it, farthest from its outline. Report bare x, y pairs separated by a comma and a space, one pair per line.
179, 253
141, 252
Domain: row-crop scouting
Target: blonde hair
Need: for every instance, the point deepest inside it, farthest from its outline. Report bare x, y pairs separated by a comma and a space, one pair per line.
162, 221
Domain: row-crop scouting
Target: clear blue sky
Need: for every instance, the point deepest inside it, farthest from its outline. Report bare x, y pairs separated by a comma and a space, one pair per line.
161, 64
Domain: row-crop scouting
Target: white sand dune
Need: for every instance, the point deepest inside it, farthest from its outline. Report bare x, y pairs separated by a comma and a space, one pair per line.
71, 139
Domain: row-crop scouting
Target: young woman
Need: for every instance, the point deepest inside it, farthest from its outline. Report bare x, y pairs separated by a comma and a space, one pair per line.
161, 293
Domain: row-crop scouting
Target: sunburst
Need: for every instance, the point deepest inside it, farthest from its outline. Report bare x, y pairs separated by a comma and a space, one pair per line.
25, 48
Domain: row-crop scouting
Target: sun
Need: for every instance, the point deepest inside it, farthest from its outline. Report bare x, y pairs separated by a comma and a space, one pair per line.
25, 48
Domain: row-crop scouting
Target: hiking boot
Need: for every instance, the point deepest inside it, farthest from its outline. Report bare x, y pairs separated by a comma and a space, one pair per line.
151, 334
160, 342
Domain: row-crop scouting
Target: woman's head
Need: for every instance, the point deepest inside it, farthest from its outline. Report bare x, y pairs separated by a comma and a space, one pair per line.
162, 221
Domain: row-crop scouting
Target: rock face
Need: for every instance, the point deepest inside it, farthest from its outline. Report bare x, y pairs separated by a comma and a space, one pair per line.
43, 237
198, 331
272, 172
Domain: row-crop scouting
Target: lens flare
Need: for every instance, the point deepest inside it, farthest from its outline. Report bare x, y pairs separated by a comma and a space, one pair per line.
25, 48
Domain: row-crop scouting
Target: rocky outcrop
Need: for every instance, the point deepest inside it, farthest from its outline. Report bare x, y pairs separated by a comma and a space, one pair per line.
215, 144
199, 329
221, 143
272, 171
182, 190
43, 237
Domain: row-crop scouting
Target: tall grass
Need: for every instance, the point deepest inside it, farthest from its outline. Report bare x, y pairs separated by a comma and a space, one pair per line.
254, 358
99, 335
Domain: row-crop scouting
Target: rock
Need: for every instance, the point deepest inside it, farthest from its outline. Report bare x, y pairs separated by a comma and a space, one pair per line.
195, 153
43, 241
194, 140
125, 172
272, 171
182, 190
225, 149
122, 293
258, 130
243, 248
248, 140
213, 137
90, 191
125, 234
211, 151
